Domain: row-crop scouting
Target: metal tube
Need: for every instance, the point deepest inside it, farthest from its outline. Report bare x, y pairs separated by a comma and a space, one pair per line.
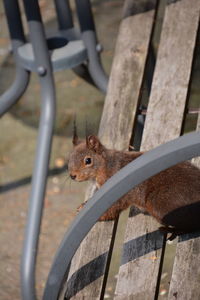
37, 36
14, 21
17, 37
94, 64
89, 38
13, 94
64, 14
37, 192
142, 168
85, 16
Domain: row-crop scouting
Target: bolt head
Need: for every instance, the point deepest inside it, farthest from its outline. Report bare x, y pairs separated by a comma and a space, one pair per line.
99, 48
41, 71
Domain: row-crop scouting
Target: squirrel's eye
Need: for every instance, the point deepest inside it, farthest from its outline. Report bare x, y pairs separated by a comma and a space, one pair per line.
88, 161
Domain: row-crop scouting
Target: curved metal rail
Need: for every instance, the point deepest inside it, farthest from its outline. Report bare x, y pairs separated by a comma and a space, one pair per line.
18, 87
16, 90
146, 166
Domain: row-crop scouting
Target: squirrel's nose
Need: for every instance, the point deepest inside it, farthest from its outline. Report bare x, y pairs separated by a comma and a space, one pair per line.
73, 176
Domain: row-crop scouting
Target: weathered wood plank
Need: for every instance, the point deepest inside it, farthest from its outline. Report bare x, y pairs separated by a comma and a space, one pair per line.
88, 266
115, 131
170, 84
127, 73
138, 273
140, 261
185, 281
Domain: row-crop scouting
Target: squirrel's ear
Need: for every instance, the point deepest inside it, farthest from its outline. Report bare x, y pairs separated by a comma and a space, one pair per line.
93, 143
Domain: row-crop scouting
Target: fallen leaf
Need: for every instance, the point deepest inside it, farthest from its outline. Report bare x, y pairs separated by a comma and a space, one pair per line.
59, 162
153, 257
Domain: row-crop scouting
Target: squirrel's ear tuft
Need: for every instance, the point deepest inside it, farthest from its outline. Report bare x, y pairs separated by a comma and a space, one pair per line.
93, 143
75, 139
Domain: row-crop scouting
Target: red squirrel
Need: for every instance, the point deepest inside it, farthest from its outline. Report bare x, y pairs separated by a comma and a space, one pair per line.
172, 197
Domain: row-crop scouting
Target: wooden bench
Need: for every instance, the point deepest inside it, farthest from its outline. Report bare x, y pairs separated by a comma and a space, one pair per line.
143, 248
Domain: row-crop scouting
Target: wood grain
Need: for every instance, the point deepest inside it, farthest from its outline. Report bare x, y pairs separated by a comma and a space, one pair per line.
185, 281
140, 261
87, 269
126, 77
170, 84
115, 132
138, 277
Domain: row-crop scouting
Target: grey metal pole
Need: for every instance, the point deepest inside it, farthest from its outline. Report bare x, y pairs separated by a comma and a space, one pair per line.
17, 89
144, 167
64, 15
95, 68
17, 37
38, 190
89, 37
39, 180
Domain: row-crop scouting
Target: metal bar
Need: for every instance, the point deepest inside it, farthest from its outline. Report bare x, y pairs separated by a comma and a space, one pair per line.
94, 65
89, 38
37, 37
64, 14
193, 111
190, 111
14, 21
146, 166
85, 16
17, 37
13, 94
65, 22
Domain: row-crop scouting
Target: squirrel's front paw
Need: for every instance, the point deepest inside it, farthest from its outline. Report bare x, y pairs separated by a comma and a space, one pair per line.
80, 206
104, 218
108, 217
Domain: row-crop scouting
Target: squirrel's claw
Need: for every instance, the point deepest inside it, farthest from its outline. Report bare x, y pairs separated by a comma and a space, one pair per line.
173, 231
80, 206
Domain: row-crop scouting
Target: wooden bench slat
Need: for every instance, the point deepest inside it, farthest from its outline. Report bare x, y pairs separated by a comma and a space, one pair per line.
115, 131
185, 282
87, 269
126, 76
138, 273
140, 260
170, 84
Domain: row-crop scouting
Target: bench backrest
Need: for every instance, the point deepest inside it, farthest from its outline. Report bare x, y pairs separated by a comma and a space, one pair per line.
143, 247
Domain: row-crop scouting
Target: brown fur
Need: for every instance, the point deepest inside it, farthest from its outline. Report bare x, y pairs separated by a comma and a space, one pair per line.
172, 196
